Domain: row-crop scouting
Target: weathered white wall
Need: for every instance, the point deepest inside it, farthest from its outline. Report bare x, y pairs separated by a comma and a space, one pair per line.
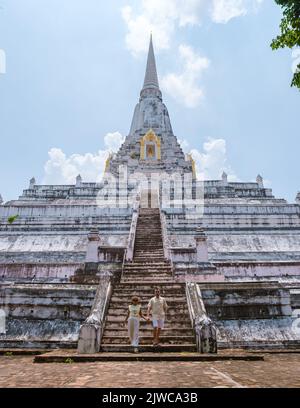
259, 270
256, 333
38, 243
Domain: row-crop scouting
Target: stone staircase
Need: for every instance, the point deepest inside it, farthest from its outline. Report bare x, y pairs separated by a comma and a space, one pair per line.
148, 270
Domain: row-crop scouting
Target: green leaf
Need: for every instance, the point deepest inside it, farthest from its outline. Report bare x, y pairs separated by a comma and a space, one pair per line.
12, 219
290, 30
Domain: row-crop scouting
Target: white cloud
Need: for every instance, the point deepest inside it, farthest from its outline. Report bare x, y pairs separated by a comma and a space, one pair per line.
164, 17
113, 141
161, 17
63, 169
184, 144
2, 62
184, 86
139, 28
225, 10
212, 161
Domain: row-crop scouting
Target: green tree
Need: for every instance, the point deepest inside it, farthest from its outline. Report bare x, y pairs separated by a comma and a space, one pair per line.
290, 31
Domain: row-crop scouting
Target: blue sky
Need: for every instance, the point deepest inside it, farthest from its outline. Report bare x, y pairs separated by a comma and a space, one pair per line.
74, 70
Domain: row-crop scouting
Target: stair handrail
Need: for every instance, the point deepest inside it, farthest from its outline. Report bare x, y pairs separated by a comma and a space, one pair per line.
91, 331
132, 234
129, 251
100, 305
131, 237
123, 263
205, 330
165, 238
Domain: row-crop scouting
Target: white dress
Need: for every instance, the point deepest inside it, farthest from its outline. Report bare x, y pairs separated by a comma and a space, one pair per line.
134, 324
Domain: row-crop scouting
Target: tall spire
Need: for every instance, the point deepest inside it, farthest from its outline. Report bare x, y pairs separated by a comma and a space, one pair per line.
151, 79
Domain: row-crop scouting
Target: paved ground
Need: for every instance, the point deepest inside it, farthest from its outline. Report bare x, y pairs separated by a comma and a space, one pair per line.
58, 356
278, 370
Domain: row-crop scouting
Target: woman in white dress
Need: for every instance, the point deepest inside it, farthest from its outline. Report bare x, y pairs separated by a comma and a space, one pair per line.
134, 314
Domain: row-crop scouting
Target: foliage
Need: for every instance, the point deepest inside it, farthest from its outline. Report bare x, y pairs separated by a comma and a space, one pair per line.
69, 361
134, 155
290, 31
12, 219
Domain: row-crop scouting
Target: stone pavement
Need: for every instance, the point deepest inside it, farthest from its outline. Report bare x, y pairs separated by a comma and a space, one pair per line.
278, 370
61, 356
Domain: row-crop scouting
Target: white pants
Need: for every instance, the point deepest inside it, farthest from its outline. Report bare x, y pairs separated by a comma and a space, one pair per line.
133, 330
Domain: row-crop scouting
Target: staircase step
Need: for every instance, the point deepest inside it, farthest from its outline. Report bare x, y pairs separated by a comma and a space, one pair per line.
161, 263
156, 246
148, 292
169, 287
148, 270
149, 287
155, 242
169, 299
150, 277
151, 266
113, 322
149, 258
172, 303
143, 254
156, 250
140, 254
148, 330
145, 261
145, 279
179, 311
144, 340
171, 348
149, 246
172, 315
169, 278
150, 282
144, 298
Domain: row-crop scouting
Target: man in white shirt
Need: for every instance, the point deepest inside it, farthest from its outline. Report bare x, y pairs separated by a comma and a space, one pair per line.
158, 307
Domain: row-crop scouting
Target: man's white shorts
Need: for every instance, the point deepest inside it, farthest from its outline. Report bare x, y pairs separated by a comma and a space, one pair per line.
159, 323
